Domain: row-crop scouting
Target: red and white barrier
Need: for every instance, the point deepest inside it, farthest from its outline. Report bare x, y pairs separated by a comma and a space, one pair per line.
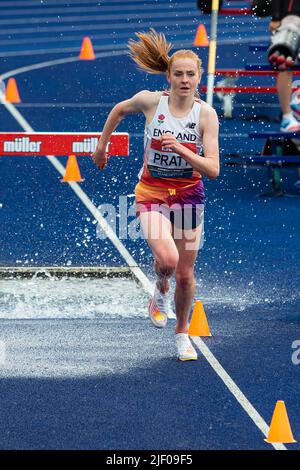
60, 143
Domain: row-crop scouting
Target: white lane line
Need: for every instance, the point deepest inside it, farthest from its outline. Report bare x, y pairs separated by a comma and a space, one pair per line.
49, 63
15, 113
113, 52
139, 274
55, 38
235, 390
62, 50
111, 36
178, 43
40, 65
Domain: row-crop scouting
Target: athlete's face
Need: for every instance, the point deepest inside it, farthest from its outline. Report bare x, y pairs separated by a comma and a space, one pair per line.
184, 76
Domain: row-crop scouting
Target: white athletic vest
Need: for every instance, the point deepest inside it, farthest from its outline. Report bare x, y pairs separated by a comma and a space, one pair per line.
164, 164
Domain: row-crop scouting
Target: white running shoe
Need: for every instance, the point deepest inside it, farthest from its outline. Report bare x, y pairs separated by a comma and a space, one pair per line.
159, 308
185, 349
289, 124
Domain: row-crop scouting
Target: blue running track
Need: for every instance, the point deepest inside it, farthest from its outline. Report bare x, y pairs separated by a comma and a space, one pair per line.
108, 381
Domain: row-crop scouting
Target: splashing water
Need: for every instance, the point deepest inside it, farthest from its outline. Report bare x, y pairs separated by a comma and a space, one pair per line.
71, 298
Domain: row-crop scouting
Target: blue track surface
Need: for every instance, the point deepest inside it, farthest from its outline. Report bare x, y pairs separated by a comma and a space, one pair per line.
113, 383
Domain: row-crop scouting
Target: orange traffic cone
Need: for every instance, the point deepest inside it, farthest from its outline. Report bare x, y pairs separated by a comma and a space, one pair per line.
72, 173
11, 93
87, 50
199, 325
201, 39
280, 429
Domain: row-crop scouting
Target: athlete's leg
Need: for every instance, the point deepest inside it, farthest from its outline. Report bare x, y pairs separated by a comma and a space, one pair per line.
158, 233
284, 89
157, 230
188, 248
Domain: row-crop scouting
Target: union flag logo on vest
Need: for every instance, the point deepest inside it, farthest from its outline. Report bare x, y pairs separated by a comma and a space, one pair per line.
161, 119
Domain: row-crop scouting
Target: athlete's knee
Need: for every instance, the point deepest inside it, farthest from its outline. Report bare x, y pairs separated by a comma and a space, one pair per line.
184, 278
167, 262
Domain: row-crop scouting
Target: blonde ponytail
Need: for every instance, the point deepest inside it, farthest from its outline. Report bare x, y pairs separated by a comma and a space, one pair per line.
150, 53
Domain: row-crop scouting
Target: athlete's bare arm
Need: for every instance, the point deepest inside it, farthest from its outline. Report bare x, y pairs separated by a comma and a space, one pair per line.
143, 102
209, 127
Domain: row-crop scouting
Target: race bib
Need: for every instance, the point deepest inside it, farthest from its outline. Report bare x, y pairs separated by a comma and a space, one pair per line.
167, 164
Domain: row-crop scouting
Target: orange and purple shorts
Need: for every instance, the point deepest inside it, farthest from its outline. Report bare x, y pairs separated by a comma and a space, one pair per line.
184, 207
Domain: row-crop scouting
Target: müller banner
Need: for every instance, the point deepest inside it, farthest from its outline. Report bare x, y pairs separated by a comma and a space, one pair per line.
60, 143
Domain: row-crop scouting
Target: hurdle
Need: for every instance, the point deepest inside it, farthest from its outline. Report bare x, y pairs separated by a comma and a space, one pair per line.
226, 92
274, 158
226, 11
235, 11
244, 89
227, 88
251, 71
58, 144
265, 67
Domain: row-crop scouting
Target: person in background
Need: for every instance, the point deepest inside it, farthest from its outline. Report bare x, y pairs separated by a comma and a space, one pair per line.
285, 28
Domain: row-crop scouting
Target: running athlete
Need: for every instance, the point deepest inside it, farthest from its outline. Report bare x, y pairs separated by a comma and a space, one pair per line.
181, 146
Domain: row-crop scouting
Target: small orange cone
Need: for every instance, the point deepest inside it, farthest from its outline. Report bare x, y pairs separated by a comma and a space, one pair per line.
199, 325
72, 173
11, 93
87, 50
280, 429
201, 39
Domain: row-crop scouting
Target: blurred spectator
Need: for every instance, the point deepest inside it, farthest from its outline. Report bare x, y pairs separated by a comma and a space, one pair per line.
285, 28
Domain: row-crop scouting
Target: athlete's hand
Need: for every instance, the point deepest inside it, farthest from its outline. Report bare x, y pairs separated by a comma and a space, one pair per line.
100, 158
274, 25
169, 141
